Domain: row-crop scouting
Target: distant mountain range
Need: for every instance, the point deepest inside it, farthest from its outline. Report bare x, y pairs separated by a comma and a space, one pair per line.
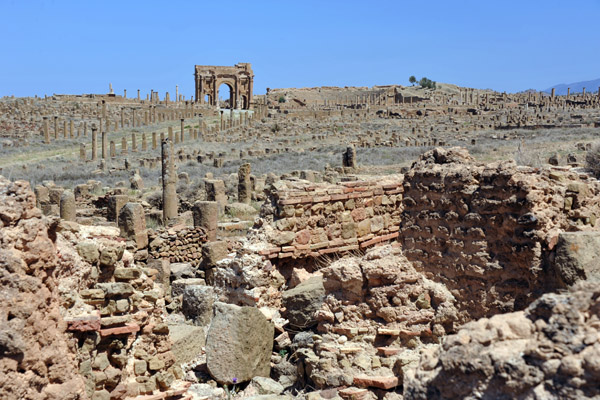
576, 87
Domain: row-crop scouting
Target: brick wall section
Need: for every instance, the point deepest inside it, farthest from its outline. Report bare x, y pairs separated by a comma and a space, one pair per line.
333, 218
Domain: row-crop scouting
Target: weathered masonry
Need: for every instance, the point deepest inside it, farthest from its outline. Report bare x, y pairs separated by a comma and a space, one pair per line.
486, 231
239, 78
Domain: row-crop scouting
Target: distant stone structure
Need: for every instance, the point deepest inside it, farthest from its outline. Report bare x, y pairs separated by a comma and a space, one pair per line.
239, 78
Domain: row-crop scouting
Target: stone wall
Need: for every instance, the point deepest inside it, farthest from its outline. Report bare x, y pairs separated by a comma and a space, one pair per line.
178, 245
312, 220
485, 231
37, 361
80, 317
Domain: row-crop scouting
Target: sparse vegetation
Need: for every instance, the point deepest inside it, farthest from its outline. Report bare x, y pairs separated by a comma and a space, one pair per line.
427, 83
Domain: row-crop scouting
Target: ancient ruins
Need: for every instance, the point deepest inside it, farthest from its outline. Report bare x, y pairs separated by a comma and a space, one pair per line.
386, 242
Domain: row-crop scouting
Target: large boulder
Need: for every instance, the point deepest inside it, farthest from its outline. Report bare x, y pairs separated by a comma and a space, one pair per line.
303, 301
238, 344
187, 342
577, 257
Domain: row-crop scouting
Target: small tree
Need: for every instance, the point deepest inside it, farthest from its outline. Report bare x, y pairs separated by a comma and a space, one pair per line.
282, 99
427, 83
412, 80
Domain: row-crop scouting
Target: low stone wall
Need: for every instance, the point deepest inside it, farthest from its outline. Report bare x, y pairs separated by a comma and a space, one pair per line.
178, 245
313, 220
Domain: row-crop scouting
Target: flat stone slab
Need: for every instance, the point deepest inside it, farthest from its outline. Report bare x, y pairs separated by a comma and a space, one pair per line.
381, 382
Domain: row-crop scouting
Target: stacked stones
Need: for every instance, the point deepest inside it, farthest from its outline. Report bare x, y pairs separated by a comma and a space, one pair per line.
449, 199
105, 336
184, 245
313, 220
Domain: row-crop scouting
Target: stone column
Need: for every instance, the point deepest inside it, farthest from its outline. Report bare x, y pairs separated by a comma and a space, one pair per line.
67, 206
170, 136
124, 145
82, 152
133, 124
169, 182
133, 143
154, 144
138, 95
244, 184
144, 143
65, 129
71, 129
182, 129
85, 128
104, 109
206, 215
94, 143
104, 152
46, 131
222, 122
122, 118
132, 224
215, 191
113, 149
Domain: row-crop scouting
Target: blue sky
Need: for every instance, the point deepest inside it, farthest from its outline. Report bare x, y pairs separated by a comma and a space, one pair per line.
80, 46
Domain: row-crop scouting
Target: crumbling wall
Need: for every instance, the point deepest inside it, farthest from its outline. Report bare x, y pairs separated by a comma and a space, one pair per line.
114, 307
485, 230
37, 359
548, 351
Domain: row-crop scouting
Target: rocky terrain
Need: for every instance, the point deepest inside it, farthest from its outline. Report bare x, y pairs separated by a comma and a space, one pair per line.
353, 243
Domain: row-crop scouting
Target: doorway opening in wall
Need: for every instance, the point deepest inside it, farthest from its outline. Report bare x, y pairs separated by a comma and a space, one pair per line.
225, 96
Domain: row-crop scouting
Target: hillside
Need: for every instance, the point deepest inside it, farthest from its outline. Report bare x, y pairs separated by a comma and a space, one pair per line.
576, 87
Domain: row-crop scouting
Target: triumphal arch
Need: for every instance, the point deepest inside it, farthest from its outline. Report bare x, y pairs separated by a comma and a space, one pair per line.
239, 78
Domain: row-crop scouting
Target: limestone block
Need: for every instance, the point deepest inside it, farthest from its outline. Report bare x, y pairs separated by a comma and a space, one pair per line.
238, 344
197, 303
132, 223
303, 301
187, 341
577, 257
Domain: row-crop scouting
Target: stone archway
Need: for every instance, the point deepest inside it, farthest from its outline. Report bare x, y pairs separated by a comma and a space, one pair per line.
239, 78
220, 93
